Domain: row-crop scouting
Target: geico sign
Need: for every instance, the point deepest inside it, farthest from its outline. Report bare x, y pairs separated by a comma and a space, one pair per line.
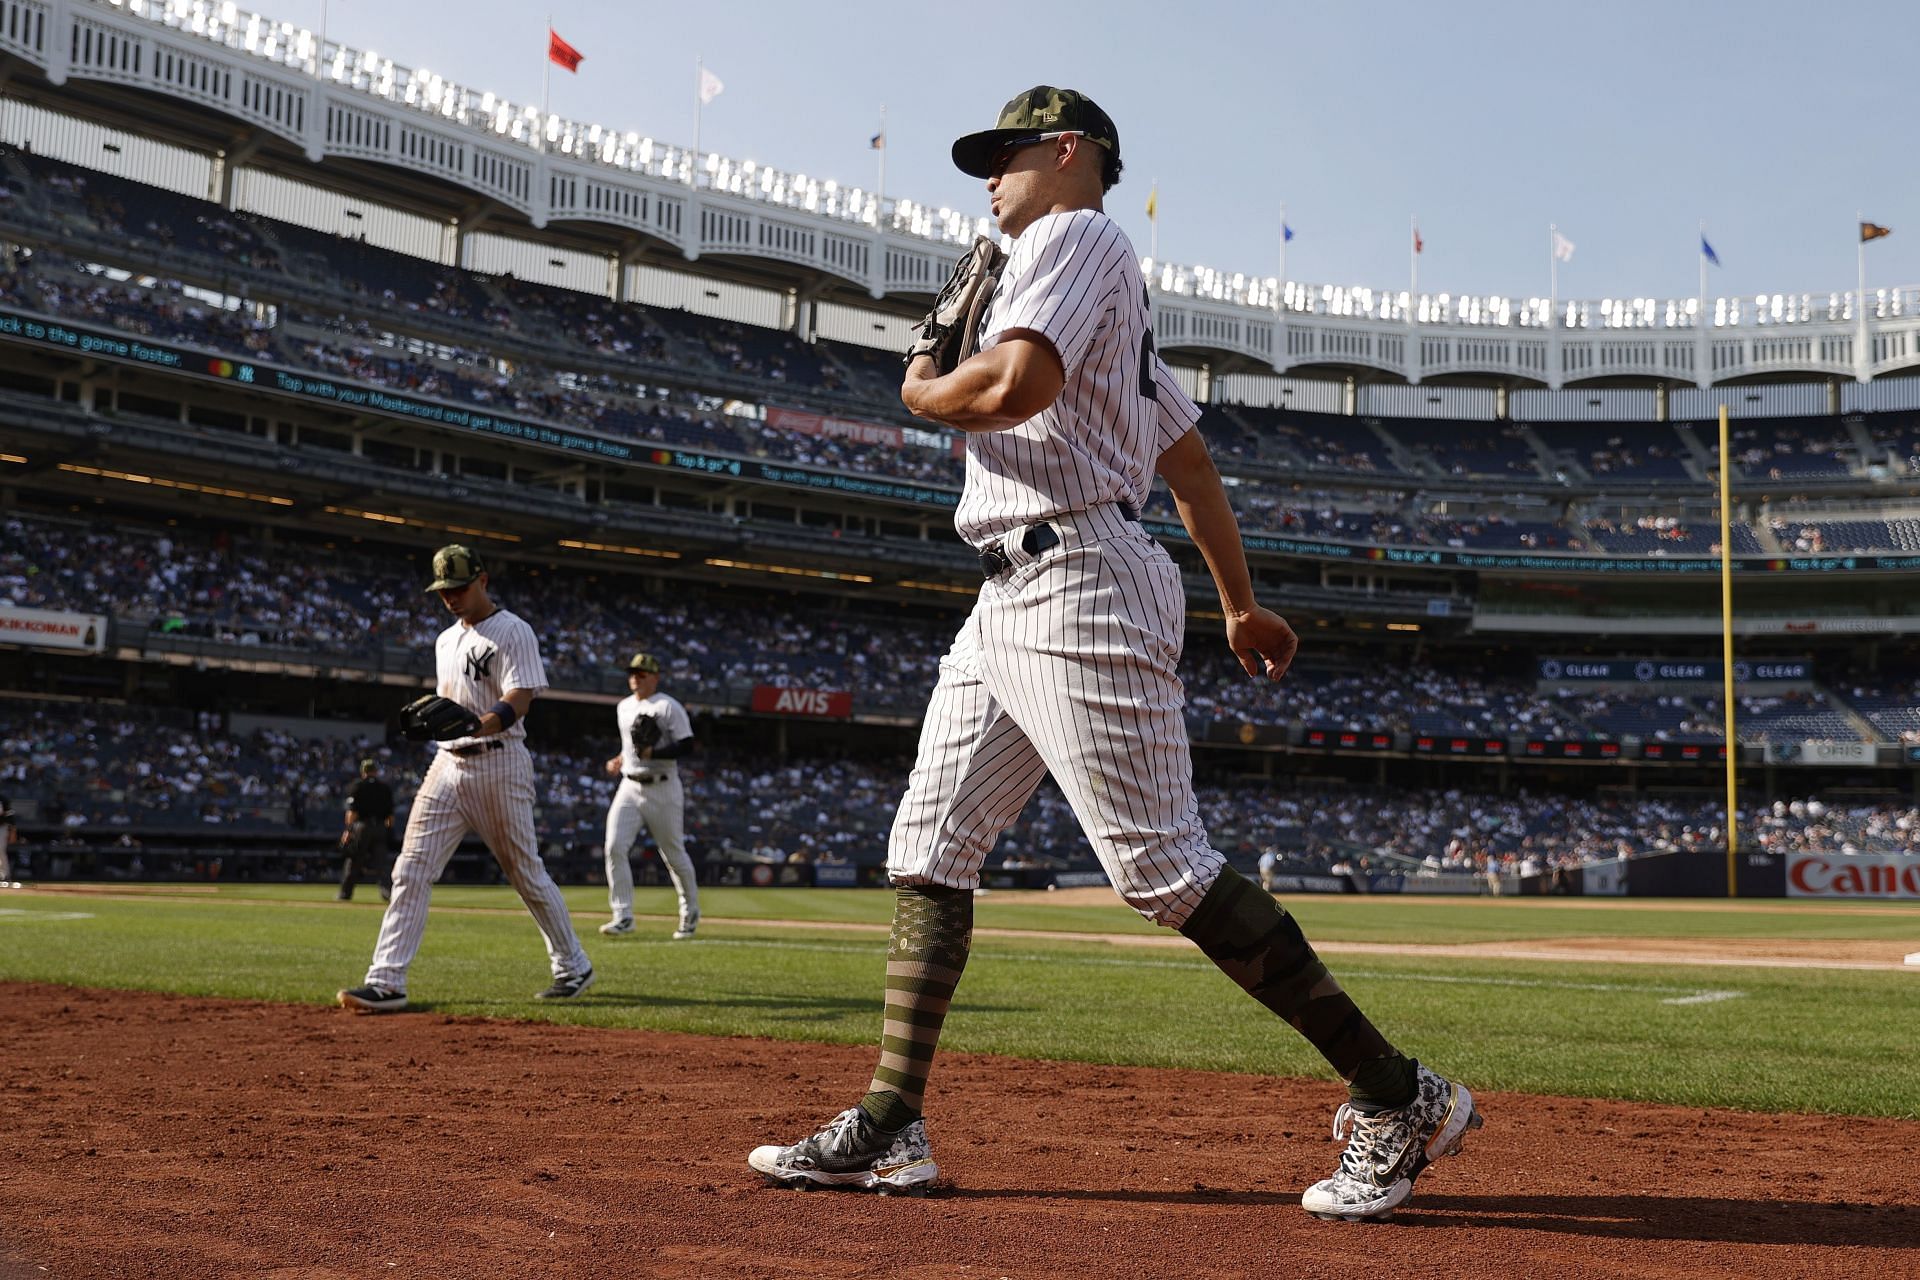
1819, 875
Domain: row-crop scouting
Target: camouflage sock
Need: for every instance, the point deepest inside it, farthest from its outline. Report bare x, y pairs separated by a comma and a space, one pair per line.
1257, 944
1383, 1084
932, 930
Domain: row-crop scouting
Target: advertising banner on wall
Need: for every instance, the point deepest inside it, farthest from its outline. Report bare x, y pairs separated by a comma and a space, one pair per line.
49, 629
1853, 875
823, 703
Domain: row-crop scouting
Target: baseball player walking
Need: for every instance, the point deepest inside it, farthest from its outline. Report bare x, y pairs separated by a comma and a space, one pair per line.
9, 836
654, 734
364, 838
1067, 666
489, 663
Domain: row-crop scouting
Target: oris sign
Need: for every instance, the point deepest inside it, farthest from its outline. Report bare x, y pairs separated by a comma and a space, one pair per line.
1856, 875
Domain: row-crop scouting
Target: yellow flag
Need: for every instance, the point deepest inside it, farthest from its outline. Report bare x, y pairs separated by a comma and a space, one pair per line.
1153, 203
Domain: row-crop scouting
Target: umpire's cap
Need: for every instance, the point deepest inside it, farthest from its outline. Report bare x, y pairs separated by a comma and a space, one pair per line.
645, 663
1041, 109
454, 566
369, 765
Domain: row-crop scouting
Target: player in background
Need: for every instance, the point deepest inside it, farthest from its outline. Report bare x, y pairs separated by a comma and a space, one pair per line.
9, 836
655, 734
1067, 666
364, 838
489, 662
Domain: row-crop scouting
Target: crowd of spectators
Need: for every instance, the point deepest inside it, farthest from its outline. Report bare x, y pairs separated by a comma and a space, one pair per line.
364, 602
353, 346
402, 289
135, 771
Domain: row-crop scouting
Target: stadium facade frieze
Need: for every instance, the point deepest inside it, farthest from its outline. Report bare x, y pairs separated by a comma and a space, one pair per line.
319, 100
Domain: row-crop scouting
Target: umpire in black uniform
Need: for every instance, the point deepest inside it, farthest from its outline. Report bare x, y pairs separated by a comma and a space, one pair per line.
369, 826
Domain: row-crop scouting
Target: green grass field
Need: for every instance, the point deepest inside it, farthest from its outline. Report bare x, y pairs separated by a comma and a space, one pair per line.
1770, 1039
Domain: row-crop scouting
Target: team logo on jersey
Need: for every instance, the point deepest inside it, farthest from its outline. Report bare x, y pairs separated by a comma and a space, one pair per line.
480, 664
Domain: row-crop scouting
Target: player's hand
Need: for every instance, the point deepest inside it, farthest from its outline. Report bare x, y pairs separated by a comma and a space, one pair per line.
613, 767
1263, 642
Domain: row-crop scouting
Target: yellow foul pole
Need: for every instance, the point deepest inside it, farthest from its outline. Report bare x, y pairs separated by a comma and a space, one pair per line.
1726, 647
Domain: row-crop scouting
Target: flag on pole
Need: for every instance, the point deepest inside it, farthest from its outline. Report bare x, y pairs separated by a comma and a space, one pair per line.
1286, 233
1153, 203
1706, 251
710, 86
1562, 248
1873, 231
878, 142
1418, 243
562, 53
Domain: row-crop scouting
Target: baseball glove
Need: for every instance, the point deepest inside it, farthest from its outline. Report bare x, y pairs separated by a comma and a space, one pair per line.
645, 734
437, 719
951, 331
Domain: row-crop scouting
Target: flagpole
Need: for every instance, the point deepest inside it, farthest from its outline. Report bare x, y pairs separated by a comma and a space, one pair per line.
1726, 654
1703, 337
546, 84
699, 66
1703, 268
1863, 359
1413, 274
1153, 224
880, 188
1283, 254
1554, 371
1553, 272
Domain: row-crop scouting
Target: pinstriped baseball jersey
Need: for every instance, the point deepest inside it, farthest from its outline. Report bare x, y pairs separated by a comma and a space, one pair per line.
1068, 663
483, 785
1073, 278
478, 664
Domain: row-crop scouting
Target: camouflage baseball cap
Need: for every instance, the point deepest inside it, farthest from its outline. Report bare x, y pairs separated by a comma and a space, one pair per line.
1042, 109
645, 663
454, 566
368, 765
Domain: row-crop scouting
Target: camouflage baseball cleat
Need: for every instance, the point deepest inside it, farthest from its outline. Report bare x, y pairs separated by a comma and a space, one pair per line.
853, 1152
1388, 1150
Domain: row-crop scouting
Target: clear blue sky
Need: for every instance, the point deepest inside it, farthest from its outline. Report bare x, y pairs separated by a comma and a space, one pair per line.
1626, 123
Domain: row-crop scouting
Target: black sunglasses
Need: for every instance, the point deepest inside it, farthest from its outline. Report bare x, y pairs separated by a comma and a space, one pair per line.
1004, 153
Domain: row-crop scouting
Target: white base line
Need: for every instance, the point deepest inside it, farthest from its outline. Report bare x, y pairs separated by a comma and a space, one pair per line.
1690, 995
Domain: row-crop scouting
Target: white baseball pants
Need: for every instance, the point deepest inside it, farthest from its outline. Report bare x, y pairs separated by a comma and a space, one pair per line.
490, 794
1065, 666
662, 807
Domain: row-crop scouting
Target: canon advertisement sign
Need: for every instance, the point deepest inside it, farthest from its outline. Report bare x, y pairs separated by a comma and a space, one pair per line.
1856, 875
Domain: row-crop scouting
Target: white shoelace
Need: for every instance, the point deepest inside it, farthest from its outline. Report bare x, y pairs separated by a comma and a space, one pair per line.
1368, 1135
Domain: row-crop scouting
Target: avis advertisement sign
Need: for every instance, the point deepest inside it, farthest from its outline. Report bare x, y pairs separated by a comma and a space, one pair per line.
819, 703
1853, 875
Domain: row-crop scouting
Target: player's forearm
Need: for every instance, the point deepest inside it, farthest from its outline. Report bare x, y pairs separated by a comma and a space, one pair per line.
976, 396
1202, 503
519, 699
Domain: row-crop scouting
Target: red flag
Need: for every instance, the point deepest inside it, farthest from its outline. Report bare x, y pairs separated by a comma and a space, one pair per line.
1418, 243
560, 51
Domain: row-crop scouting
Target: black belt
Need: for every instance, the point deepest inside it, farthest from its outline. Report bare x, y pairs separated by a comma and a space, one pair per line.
995, 561
475, 748
645, 778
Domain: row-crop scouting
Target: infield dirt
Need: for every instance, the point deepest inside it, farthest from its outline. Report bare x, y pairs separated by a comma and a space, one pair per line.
161, 1136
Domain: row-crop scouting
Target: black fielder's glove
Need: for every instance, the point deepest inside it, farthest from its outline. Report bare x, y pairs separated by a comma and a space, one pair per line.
437, 719
951, 331
645, 734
